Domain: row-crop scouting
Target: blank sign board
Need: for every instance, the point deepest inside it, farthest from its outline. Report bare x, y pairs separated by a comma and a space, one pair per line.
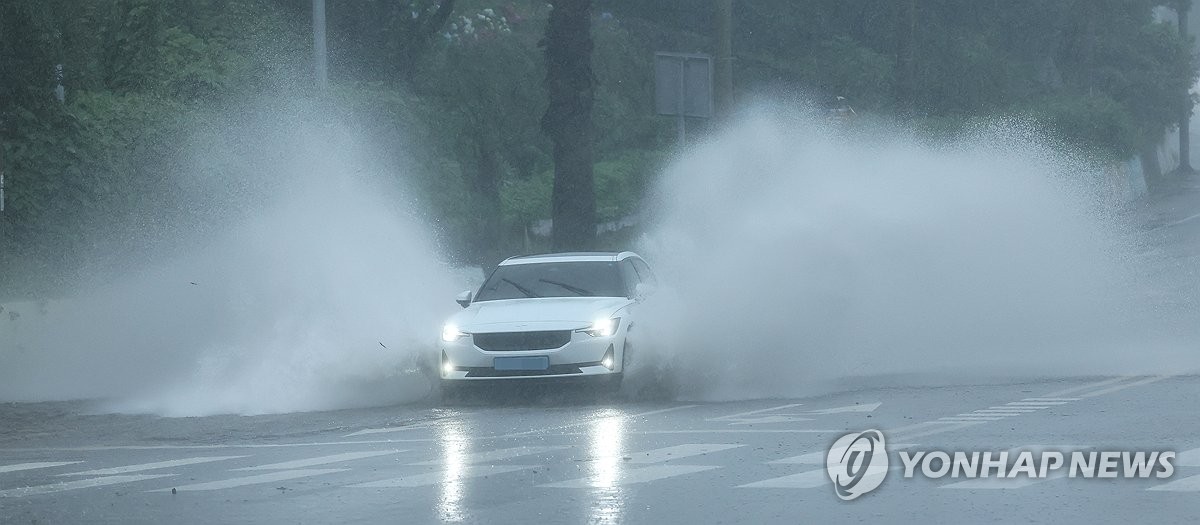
683, 84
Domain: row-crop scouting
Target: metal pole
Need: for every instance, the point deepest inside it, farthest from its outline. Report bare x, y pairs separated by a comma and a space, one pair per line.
724, 73
681, 105
319, 53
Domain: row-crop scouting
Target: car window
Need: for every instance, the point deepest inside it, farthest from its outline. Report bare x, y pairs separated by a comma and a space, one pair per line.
554, 279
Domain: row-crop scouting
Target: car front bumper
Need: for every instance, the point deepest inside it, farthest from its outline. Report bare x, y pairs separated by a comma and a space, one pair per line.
582, 356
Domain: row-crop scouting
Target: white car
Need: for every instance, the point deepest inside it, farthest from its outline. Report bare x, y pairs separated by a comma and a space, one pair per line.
564, 315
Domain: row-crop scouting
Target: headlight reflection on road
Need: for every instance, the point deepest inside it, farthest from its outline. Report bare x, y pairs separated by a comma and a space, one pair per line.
454, 460
608, 435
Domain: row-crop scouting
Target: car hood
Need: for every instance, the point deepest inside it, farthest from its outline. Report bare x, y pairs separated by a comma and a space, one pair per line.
550, 313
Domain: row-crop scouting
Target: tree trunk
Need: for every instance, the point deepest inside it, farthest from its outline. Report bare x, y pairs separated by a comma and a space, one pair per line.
487, 219
1151, 169
568, 122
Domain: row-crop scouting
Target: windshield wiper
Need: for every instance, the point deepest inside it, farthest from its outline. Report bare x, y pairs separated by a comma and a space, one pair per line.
573, 289
520, 288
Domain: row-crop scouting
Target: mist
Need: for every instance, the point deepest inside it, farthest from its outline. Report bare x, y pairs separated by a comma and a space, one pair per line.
292, 271
802, 258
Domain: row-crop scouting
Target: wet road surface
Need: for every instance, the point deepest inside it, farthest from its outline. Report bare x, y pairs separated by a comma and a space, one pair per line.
587, 461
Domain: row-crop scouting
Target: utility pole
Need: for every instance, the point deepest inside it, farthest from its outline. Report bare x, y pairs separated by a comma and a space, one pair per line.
319, 54
724, 72
1185, 146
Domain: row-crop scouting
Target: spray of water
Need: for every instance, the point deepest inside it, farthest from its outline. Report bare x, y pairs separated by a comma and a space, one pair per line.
803, 258
300, 280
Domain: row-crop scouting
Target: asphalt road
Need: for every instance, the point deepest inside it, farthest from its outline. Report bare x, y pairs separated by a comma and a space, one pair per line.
546, 459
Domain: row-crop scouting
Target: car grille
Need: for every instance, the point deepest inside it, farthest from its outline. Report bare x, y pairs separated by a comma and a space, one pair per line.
510, 341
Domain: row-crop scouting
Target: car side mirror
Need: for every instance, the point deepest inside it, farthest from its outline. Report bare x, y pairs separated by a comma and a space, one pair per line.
641, 291
464, 299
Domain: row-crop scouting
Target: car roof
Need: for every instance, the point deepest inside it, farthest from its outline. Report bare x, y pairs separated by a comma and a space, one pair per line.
569, 257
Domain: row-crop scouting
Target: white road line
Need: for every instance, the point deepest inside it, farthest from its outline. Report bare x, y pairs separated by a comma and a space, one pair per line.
1087, 386
632, 476
1005, 411
818, 458
993, 415
434, 478
1188, 484
1052, 399
660, 455
150, 466
1123, 386
1015, 409
323, 460
1180, 221
77, 484
808, 479
270, 477
496, 455
1188, 458
742, 415
31, 466
1036, 404
963, 419
387, 430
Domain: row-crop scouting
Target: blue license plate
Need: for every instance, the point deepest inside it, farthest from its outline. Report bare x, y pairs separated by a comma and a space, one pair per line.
522, 363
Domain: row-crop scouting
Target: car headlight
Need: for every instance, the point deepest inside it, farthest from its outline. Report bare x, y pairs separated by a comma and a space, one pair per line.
451, 333
602, 327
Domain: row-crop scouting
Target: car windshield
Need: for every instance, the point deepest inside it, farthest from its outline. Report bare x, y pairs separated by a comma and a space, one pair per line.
553, 279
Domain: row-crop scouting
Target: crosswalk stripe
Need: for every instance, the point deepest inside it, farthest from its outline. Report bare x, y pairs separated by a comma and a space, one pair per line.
808, 479
150, 466
496, 455
269, 477
1188, 458
77, 484
30, 466
1188, 484
434, 478
636, 475
661, 455
818, 458
323, 460
1087, 386
1123, 386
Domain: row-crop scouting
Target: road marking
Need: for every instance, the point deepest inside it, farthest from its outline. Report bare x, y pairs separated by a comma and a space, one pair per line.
804, 480
1180, 221
150, 466
77, 484
660, 455
1112, 389
742, 415
930, 428
1036, 404
434, 478
323, 460
386, 430
633, 476
1052, 399
963, 419
1188, 458
1188, 484
1087, 386
30, 466
496, 455
269, 477
1004, 411
1014, 409
818, 458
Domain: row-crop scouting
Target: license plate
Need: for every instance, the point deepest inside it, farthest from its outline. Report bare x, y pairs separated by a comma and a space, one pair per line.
522, 363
